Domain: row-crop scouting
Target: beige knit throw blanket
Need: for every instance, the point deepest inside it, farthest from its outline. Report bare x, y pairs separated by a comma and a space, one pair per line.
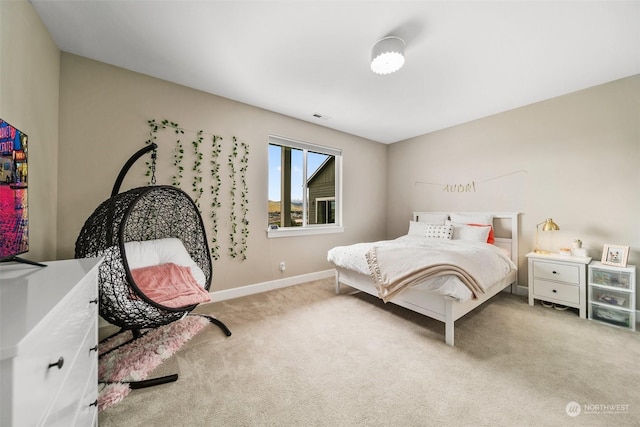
394, 269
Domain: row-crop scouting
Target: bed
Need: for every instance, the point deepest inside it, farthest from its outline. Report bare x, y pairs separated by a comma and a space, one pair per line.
376, 267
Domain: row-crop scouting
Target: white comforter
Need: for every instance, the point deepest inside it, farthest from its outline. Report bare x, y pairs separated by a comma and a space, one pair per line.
495, 263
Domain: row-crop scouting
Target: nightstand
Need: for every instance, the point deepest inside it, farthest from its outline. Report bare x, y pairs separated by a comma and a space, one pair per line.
559, 279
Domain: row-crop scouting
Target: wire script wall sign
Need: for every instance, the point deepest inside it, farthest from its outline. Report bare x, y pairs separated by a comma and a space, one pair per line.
467, 187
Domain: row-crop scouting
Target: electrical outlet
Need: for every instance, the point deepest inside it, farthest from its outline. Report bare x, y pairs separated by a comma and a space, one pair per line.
283, 267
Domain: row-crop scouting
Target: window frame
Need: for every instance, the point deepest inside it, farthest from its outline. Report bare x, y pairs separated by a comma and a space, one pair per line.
310, 229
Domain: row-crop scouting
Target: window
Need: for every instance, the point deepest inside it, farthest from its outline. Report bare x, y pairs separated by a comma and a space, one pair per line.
304, 188
325, 210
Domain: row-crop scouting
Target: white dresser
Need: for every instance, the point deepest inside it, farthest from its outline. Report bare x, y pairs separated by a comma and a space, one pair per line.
49, 336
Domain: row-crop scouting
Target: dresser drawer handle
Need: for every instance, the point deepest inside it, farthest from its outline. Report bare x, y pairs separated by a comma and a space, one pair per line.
554, 272
94, 301
94, 348
95, 403
59, 363
554, 291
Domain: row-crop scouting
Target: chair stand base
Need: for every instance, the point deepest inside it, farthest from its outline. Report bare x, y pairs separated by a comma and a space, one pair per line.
153, 381
137, 333
216, 322
145, 383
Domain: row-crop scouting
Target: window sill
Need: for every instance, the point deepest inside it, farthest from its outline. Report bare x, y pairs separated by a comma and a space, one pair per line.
306, 231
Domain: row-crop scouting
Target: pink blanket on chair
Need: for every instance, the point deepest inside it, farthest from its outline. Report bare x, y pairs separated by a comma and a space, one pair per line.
170, 285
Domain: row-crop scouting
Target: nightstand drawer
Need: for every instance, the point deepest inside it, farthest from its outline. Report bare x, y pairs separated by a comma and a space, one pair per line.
557, 291
555, 271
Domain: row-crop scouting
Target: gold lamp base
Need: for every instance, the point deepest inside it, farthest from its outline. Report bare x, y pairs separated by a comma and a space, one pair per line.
541, 251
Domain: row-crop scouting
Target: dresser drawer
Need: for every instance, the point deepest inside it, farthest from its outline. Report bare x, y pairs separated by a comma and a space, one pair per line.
58, 337
48, 314
557, 291
70, 396
555, 271
88, 410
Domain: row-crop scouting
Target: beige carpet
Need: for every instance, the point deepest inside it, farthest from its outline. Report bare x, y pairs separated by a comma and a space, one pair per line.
302, 356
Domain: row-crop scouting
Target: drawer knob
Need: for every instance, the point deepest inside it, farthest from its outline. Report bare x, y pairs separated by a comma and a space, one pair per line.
554, 291
94, 348
95, 403
554, 272
59, 363
94, 301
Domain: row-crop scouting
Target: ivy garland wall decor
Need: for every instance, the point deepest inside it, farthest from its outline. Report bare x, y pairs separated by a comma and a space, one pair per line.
196, 185
216, 182
237, 164
239, 210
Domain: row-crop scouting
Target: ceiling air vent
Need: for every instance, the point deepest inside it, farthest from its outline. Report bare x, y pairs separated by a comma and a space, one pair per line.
320, 116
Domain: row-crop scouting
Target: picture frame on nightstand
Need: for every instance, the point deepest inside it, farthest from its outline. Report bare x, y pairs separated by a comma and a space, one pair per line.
615, 255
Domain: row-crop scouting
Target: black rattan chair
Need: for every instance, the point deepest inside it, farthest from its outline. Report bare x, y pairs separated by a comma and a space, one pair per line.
141, 214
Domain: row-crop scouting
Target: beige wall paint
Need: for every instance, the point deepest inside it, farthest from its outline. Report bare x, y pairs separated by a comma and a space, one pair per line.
575, 158
103, 121
29, 75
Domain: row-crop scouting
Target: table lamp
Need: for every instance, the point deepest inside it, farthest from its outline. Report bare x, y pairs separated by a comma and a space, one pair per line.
547, 225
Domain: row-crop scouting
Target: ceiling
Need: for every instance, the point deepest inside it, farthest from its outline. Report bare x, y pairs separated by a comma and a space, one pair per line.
464, 59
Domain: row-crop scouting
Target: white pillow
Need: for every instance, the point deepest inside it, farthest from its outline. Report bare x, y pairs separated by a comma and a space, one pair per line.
432, 218
465, 218
439, 231
469, 232
417, 228
162, 251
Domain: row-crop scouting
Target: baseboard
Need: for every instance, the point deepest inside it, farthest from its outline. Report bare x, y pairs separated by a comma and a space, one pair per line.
269, 286
521, 290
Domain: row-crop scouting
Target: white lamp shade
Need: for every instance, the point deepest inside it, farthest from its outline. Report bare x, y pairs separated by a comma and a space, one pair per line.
387, 55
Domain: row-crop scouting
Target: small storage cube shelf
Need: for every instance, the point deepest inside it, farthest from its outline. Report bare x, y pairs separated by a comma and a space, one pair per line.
612, 295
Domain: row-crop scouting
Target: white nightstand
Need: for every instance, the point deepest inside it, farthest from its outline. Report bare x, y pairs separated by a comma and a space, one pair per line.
559, 279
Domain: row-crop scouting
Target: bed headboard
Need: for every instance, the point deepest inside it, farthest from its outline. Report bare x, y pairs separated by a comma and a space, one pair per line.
505, 226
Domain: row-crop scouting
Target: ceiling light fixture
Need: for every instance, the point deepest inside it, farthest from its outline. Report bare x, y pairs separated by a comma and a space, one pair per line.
387, 55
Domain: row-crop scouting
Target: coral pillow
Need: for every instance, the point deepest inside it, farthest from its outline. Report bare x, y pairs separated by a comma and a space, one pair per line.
170, 285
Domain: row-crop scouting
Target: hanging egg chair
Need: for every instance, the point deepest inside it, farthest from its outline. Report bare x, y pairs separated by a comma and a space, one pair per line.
139, 230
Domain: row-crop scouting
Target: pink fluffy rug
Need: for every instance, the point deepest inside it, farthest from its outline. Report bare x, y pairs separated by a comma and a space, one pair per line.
134, 361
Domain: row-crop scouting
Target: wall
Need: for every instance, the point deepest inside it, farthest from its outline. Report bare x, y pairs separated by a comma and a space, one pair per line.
574, 158
29, 75
103, 121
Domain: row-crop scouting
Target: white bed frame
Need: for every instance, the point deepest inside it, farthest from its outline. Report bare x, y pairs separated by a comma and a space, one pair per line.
439, 307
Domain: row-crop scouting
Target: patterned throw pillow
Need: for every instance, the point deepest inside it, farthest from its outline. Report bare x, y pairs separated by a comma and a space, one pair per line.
439, 231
